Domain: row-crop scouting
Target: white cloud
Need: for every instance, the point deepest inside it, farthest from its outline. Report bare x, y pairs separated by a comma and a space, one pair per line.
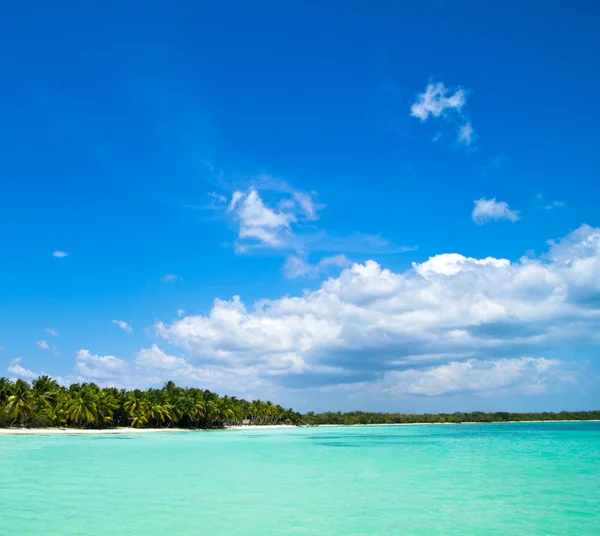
480, 314
52, 332
436, 101
123, 325
453, 263
501, 377
180, 312
465, 133
298, 265
42, 345
554, 204
267, 214
19, 371
486, 210
170, 278
94, 367
60, 254
153, 367
259, 223
308, 205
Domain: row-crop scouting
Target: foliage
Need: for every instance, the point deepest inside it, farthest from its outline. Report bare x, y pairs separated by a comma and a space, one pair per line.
45, 404
362, 417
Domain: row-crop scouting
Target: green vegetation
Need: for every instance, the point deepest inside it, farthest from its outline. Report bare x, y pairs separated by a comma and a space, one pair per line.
361, 417
45, 404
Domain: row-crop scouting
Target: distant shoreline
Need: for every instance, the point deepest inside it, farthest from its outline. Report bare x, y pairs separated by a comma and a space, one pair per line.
121, 431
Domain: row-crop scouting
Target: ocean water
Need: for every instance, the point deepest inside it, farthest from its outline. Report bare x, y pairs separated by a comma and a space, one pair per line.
506, 479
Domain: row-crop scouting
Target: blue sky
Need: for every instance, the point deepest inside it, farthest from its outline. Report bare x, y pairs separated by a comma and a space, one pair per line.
322, 161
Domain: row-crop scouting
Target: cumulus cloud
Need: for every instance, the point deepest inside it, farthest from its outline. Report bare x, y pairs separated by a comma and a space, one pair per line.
19, 371
475, 317
438, 101
170, 278
298, 265
454, 263
487, 210
52, 332
42, 345
94, 367
123, 325
60, 254
501, 377
153, 367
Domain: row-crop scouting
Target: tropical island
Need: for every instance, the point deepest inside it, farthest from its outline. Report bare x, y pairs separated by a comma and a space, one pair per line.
46, 404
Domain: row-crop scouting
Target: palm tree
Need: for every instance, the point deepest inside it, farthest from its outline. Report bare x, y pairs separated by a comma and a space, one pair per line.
139, 418
82, 407
6, 387
44, 385
19, 404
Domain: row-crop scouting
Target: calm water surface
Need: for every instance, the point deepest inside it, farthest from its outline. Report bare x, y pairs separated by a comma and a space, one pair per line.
507, 479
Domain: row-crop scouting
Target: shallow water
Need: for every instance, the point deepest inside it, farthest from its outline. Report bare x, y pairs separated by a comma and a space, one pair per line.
507, 479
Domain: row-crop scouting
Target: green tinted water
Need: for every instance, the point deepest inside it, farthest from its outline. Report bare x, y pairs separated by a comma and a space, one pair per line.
510, 479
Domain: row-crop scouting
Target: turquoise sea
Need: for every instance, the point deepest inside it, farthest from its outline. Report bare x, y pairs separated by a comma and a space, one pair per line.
506, 479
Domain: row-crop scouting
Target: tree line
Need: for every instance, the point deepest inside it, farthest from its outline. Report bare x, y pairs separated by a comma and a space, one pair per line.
362, 417
44, 403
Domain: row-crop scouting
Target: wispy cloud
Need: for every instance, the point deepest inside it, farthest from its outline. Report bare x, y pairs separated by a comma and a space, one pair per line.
298, 265
180, 312
269, 215
52, 332
437, 101
541, 203
219, 198
123, 325
486, 210
170, 278
60, 254
465, 133
42, 345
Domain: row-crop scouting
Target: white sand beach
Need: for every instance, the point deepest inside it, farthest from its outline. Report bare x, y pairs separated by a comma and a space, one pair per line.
83, 431
114, 431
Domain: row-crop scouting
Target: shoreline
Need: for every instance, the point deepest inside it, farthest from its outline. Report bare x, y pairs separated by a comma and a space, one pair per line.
121, 431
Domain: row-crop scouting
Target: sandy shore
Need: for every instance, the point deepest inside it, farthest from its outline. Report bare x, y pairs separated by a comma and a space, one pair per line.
81, 431
114, 431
